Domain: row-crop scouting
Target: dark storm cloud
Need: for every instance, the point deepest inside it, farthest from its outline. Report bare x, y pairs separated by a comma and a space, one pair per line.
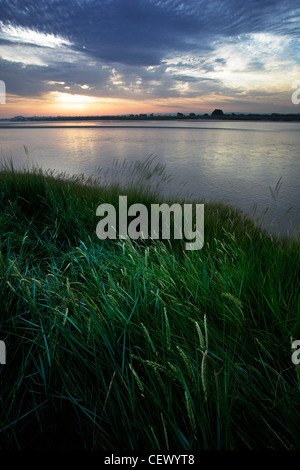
139, 32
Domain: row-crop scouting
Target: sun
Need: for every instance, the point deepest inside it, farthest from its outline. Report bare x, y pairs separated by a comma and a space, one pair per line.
69, 102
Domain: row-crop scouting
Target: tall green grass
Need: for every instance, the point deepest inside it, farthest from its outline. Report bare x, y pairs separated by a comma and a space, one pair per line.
140, 344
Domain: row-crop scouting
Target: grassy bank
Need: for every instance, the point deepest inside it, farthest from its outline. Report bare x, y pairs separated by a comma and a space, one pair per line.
141, 345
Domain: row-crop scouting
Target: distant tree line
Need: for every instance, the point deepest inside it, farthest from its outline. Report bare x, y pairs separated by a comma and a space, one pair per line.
216, 114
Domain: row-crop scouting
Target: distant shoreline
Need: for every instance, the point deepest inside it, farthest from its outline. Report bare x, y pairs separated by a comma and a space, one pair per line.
274, 117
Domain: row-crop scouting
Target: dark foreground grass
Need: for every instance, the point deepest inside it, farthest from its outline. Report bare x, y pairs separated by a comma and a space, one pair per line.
141, 345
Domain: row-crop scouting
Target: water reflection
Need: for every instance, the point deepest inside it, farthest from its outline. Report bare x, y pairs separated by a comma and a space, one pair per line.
234, 162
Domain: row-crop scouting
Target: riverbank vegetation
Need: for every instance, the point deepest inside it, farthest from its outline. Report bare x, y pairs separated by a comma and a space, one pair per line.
122, 344
165, 117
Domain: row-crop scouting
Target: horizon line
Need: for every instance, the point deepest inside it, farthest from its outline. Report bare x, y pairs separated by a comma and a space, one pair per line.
146, 115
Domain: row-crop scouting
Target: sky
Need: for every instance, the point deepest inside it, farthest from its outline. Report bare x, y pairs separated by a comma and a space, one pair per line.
117, 57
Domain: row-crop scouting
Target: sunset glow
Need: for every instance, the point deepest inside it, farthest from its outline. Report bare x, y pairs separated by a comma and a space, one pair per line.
113, 57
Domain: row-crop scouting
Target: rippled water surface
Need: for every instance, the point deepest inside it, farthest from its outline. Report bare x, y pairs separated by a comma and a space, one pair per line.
236, 162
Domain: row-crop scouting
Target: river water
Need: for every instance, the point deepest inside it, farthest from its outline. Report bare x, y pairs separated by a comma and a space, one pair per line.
252, 165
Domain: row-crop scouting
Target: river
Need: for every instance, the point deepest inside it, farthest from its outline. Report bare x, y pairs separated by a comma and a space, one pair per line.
252, 165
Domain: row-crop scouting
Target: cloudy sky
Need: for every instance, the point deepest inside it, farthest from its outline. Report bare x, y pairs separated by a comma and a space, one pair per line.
96, 57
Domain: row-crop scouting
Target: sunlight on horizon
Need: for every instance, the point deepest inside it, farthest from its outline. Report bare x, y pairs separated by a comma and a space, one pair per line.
57, 103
